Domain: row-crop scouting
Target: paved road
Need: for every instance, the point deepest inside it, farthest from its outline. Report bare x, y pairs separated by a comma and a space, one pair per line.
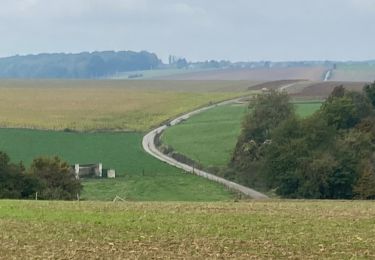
328, 75
148, 144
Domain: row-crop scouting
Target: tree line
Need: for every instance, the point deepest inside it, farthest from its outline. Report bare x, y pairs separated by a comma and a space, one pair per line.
82, 65
47, 178
329, 155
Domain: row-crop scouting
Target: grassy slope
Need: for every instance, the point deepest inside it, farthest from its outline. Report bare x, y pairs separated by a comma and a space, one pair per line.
141, 177
210, 137
271, 229
307, 108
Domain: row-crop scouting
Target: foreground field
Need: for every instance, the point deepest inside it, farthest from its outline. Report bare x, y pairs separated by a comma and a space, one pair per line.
271, 229
105, 105
139, 176
209, 138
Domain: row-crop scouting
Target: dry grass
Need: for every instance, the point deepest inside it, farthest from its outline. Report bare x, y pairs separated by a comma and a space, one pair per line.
247, 230
109, 105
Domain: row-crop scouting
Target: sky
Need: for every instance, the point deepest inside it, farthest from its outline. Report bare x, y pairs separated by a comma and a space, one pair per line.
236, 30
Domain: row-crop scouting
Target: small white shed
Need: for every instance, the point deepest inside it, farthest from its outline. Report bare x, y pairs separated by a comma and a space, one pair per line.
111, 174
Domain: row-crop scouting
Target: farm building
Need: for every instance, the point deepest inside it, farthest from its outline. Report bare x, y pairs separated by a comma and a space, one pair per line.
111, 174
94, 170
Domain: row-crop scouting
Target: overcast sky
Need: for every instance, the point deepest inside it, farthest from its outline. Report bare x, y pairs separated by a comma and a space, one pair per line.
196, 29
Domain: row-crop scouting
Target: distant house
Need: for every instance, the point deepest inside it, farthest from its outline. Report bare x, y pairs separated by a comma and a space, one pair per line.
93, 170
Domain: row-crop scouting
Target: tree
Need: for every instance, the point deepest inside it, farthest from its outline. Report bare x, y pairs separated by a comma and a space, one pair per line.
370, 92
314, 176
181, 63
14, 183
266, 112
316, 157
345, 111
57, 180
337, 92
293, 163
365, 186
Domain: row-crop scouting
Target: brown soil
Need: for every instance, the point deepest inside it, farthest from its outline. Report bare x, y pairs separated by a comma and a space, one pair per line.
323, 89
273, 84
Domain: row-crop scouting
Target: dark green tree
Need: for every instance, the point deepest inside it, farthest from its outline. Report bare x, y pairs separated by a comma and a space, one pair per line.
365, 186
266, 112
370, 92
346, 111
14, 183
57, 180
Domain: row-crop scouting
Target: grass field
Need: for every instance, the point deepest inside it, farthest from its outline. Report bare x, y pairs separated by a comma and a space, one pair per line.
106, 105
209, 138
140, 176
246, 230
307, 108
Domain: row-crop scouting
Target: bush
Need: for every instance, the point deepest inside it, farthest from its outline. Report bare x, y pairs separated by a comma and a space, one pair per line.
329, 155
56, 178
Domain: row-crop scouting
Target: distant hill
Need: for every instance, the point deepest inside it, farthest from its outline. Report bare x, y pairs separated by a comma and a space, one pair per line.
82, 65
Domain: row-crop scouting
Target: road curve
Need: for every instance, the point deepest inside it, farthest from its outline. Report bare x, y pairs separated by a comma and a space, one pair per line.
149, 146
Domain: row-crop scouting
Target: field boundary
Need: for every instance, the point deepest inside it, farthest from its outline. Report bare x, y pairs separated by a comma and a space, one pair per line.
148, 144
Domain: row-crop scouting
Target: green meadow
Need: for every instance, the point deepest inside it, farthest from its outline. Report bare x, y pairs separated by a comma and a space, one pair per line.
139, 176
210, 137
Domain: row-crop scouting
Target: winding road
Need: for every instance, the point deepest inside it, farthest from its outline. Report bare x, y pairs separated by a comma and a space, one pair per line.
149, 146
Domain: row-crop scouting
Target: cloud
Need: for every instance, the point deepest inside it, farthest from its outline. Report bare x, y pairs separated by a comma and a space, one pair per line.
209, 29
363, 5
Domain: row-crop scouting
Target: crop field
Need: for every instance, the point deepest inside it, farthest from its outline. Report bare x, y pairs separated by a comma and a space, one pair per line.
246, 230
139, 176
210, 137
259, 74
354, 72
106, 105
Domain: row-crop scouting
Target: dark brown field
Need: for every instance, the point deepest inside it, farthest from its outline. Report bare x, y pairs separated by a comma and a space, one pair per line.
321, 90
276, 84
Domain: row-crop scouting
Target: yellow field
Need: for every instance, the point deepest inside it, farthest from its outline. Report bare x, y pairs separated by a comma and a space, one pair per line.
106, 105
